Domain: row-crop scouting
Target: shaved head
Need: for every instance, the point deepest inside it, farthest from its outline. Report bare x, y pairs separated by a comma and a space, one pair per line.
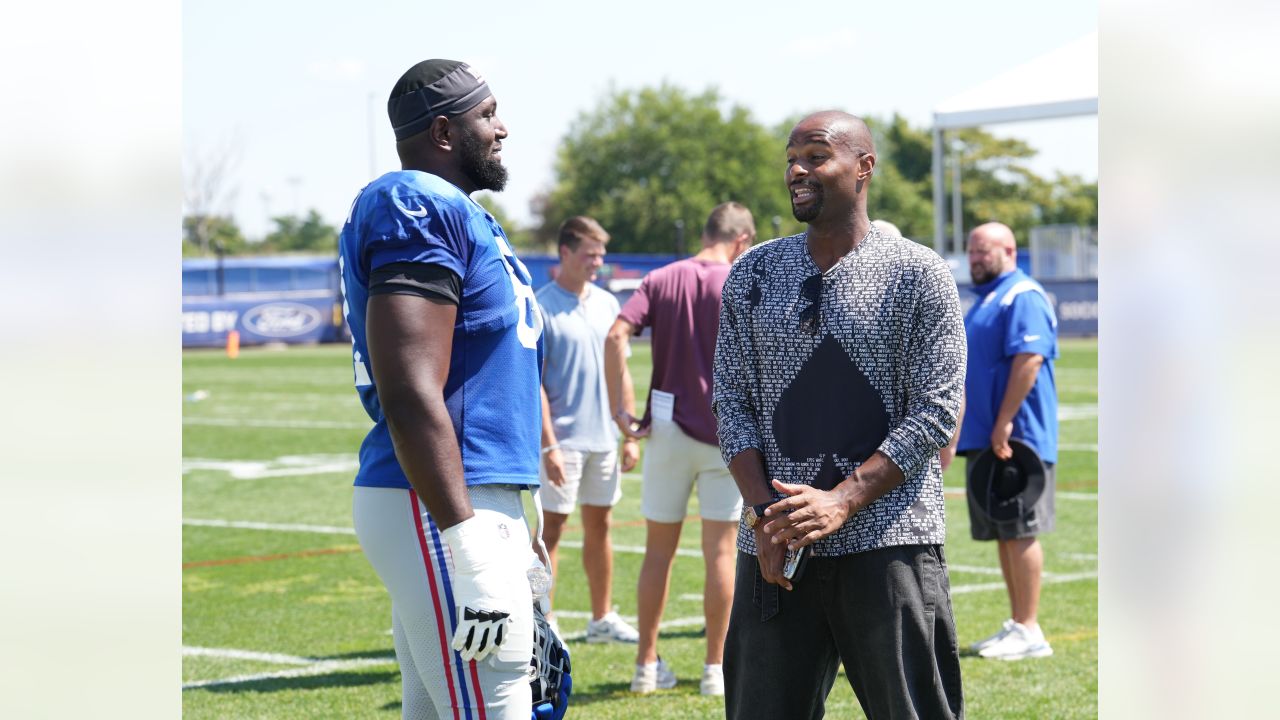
848, 130
992, 252
995, 232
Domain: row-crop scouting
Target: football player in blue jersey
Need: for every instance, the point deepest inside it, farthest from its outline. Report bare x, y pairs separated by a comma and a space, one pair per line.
446, 343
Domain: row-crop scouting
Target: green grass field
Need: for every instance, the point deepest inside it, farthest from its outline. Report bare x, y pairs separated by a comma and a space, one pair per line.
284, 618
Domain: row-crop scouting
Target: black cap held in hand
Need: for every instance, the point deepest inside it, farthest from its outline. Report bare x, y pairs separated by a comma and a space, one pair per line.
430, 89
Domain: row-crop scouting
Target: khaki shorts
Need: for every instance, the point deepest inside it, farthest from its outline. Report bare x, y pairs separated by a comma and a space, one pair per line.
590, 478
673, 463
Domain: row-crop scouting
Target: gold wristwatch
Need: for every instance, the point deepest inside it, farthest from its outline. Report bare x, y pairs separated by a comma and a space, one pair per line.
753, 514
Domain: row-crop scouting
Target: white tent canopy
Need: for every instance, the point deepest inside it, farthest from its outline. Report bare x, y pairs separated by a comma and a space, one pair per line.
1058, 84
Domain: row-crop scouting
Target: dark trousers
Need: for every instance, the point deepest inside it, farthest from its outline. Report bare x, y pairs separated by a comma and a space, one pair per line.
885, 614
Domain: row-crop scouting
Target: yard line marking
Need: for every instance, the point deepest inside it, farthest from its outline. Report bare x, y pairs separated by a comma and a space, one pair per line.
1084, 447
236, 654
1046, 579
310, 666
1067, 495
632, 549
1077, 412
321, 668
277, 527
583, 615
284, 466
267, 423
974, 569
691, 597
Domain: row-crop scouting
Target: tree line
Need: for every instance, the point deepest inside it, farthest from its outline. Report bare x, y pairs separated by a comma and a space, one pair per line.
649, 164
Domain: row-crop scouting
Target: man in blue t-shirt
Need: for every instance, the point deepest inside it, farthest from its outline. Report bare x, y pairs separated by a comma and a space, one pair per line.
579, 440
1010, 393
446, 344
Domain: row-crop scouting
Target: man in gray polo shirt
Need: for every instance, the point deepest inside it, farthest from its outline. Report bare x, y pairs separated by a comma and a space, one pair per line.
579, 441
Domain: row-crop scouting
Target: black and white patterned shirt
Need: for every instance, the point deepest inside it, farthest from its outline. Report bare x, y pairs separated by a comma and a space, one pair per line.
879, 366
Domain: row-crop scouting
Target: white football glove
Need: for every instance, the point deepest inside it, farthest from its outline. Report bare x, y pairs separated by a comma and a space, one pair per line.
481, 579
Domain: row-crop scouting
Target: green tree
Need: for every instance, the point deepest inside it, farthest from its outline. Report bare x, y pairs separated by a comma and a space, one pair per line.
212, 232
521, 238
996, 184
293, 234
1070, 200
644, 159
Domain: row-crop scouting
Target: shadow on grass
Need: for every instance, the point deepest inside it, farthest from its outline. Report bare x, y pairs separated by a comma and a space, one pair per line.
688, 632
307, 682
605, 692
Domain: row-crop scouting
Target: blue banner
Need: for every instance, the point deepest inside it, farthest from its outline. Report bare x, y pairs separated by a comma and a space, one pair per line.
1075, 302
206, 321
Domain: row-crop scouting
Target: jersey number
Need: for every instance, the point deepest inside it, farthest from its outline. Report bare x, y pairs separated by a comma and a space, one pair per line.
529, 326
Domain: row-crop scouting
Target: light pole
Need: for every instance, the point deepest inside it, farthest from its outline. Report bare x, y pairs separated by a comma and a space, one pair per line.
295, 182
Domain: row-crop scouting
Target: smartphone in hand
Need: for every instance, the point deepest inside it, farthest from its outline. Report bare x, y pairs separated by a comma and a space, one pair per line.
794, 564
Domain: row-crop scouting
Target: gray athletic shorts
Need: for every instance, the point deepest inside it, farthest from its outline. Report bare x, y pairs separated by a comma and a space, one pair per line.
1039, 521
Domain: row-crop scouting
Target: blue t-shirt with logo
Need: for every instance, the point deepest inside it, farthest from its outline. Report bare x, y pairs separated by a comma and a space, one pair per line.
1012, 315
492, 391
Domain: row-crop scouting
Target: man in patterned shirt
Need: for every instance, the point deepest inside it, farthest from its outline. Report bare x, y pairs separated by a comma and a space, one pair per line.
839, 369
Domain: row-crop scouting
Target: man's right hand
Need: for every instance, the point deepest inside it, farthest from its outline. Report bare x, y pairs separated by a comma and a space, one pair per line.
482, 582
553, 461
771, 556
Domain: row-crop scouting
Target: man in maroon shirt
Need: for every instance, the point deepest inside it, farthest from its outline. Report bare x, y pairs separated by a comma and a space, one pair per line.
680, 302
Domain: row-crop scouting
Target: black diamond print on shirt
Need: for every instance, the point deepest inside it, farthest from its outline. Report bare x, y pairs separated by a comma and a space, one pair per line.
830, 410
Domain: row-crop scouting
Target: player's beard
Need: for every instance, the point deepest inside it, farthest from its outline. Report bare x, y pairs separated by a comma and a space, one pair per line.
809, 212
479, 164
982, 274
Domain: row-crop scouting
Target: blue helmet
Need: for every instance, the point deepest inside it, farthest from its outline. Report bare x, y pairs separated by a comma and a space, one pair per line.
551, 681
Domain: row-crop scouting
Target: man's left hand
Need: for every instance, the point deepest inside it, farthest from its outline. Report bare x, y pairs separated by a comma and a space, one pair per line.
630, 455
629, 425
806, 515
1000, 435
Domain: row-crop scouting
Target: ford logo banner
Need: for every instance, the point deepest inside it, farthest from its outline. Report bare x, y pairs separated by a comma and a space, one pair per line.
282, 319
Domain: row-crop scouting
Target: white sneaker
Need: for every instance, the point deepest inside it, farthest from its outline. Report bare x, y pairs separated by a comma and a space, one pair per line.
987, 642
654, 676
1021, 643
611, 628
713, 679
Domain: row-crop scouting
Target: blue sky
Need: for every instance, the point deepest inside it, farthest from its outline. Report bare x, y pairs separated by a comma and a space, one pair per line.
298, 89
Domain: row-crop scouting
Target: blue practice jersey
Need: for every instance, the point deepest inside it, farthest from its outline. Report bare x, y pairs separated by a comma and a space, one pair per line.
1013, 315
492, 391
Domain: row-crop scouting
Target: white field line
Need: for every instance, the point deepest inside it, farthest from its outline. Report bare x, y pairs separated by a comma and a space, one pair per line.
632, 549
275, 527
267, 423
285, 466
1077, 412
1047, 579
975, 569
318, 667
234, 654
